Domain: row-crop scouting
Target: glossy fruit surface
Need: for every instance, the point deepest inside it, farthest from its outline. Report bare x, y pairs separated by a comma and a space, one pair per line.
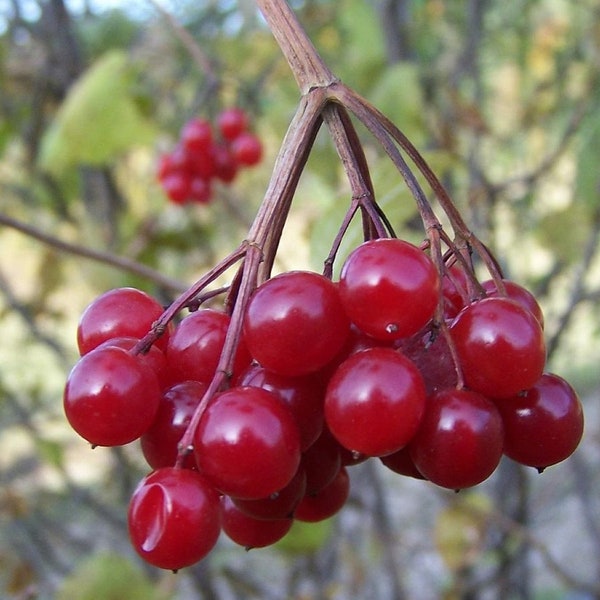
110, 398
459, 442
294, 323
247, 443
543, 425
517, 292
389, 288
177, 405
500, 346
327, 502
196, 344
174, 518
118, 312
375, 401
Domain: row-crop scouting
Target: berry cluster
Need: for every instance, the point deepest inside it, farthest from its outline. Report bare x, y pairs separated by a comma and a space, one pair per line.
203, 155
434, 374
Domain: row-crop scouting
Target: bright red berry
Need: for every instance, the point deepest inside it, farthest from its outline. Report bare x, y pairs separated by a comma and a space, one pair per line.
231, 122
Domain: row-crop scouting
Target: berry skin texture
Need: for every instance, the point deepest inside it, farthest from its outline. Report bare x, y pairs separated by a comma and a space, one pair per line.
543, 425
375, 401
249, 532
389, 288
327, 502
247, 443
500, 346
460, 439
110, 397
295, 324
174, 518
118, 312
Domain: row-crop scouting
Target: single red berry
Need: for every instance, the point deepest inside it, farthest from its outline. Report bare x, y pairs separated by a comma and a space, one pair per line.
248, 531
295, 324
231, 122
247, 149
389, 288
174, 518
247, 443
375, 401
196, 135
177, 187
200, 190
110, 397
119, 312
321, 462
226, 168
516, 292
543, 425
401, 462
327, 502
460, 439
500, 346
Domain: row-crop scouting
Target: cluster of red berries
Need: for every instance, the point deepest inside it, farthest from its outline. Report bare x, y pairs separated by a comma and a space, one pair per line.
203, 155
326, 375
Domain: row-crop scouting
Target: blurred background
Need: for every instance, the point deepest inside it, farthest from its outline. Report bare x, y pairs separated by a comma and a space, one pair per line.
502, 98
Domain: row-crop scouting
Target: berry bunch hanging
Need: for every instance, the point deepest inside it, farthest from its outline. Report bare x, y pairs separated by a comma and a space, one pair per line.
252, 412
205, 153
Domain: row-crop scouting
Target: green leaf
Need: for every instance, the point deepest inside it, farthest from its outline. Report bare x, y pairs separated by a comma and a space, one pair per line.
304, 538
108, 577
98, 120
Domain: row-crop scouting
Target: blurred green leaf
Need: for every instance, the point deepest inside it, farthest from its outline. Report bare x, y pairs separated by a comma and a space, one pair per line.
98, 120
304, 538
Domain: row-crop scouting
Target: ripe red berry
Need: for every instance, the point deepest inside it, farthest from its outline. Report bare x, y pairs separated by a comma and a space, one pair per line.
118, 312
500, 346
389, 288
460, 439
174, 518
247, 443
375, 401
543, 425
177, 187
327, 502
246, 149
518, 293
161, 440
231, 122
295, 324
196, 135
110, 397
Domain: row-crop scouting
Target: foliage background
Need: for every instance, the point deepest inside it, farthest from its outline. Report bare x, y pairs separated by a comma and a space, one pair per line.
503, 100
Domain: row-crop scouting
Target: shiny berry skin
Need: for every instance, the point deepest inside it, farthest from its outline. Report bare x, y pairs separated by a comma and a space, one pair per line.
280, 505
195, 347
110, 397
174, 518
460, 439
389, 288
231, 122
303, 395
516, 292
177, 405
294, 323
246, 149
543, 425
500, 346
247, 443
118, 312
375, 401
248, 531
327, 502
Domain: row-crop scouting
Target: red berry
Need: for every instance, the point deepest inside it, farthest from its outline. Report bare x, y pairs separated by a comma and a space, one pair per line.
196, 135
500, 346
321, 462
110, 397
177, 187
518, 293
459, 442
295, 324
375, 401
327, 502
543, 425
248, 531
200, 190
389, 288
177, 405
401, 462
231, 122
247, 149
174, 518
196, 344
225, 166
116, 313
247, 443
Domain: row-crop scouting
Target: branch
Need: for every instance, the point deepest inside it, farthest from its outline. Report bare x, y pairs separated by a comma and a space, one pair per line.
119, 262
